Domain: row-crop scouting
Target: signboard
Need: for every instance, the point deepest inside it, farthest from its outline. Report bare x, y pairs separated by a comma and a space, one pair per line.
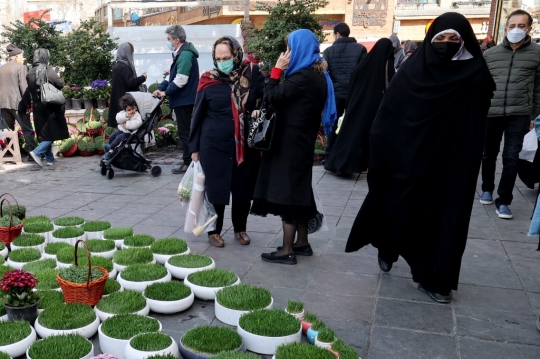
36, 15
368, 13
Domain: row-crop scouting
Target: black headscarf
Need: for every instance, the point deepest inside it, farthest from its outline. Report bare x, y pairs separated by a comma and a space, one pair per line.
41, 61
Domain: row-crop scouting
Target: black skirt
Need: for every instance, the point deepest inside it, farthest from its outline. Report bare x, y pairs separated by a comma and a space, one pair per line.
290, 214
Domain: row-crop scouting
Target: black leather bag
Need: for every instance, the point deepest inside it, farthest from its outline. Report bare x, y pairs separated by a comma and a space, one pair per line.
261, 128
50, 94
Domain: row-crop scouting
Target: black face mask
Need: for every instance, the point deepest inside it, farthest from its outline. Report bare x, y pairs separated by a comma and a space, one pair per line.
446, 50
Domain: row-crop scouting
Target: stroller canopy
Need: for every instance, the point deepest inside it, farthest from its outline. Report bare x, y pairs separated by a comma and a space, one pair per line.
146, 102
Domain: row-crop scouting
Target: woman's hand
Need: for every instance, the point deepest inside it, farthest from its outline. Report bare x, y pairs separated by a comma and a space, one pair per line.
255, 114
283, 61
195, 156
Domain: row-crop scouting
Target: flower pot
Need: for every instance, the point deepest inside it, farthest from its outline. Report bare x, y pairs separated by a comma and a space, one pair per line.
113, 273
28, 313
231, 316
266, 345
47, 235
19, 348
120, 267
128, 247
163, 258
205, 293
113, 346
181, 273
187, 353
87, 331
101, 103
94, 235
63, 265
131, 353
68, 105
39, 247
118, 243
173, 306
298, 316
4, 252
76, 103
104, 315
71, 241
108, 254
305, 327
58, 227
141, 286
311, 335
18, 265
87, 356
88, 103
323, 344
48, 256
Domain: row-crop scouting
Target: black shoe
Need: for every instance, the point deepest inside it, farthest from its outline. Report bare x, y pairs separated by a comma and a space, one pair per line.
30, 159
301, 251
384, 265
439, 298
179, 170
285, 259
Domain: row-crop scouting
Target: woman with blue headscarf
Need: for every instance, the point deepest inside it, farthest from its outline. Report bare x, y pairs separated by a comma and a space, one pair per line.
302, 101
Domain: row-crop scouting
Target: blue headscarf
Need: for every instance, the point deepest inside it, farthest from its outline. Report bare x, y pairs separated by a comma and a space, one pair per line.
304, 53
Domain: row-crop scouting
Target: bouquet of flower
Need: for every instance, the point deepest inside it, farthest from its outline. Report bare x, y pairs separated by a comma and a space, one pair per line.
102, 88
18, 286
76, 92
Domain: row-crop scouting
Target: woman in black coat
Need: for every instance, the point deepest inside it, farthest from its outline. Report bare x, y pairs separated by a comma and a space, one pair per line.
49, 119
284, 185
225, 96
124, 79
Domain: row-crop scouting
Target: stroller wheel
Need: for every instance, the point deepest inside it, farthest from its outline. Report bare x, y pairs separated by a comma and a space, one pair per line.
111, 174
155, 171
103, 169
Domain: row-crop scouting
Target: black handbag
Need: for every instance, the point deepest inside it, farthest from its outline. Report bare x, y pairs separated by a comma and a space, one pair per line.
261, 128
50, 94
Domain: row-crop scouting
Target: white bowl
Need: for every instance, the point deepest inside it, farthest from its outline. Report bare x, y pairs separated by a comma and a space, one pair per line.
267, 345
298, 316
63, 265
19, 348
71, 241
4, 252
322, 345
18, 265
231, 316
131, 353
205, 293
58, 227
119, 290
48, 256
118, 243
47, 235
39, 247
87, 331
113, 273
94, 235
181, 272
162, 258
120, 267
104, 315
168, 307
114, 346
128, 247
107, 254
141, 286
87, 356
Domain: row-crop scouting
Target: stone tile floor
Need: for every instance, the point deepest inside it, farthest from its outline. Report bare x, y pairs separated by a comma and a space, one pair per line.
382, 315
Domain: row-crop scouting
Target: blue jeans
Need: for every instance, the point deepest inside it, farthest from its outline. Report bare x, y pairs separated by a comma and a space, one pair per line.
45, 148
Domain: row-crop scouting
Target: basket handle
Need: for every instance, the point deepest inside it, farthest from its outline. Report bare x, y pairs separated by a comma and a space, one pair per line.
10, 211
87, 256
3, 194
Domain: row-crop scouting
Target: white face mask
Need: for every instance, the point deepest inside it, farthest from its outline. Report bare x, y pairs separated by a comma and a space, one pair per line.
515, 35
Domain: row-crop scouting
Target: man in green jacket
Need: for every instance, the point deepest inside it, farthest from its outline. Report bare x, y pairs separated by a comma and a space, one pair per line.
515, 67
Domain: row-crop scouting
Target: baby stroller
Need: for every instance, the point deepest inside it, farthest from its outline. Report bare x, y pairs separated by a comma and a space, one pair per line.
125, 155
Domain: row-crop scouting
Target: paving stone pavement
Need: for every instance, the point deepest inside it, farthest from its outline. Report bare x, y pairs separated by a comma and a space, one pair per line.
382, 315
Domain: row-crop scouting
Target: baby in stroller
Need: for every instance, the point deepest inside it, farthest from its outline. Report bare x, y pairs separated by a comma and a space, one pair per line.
129, 119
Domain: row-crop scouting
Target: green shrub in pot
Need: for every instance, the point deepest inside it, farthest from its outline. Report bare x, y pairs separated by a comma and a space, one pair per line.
125, 302
133, 256
215, 277
139, 240
117, 233
144, 272
190, 261
68, 316
303, 350
68, 232
69, 221
25, 255
211, 339
269, 323
38, 227
60, 346
96, 226
167, 291
100, 245
150, 342
28, 240
35, 219
126, 326
53, 248
169, 246
244, 297
13, 331
37, 266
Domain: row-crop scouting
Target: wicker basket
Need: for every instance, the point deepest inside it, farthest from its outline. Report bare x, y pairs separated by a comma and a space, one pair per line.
88, 293
93, 132
70, 152
8, 234
22, 216
86, 153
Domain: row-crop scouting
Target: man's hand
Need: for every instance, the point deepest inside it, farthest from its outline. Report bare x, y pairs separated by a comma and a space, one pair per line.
195, 156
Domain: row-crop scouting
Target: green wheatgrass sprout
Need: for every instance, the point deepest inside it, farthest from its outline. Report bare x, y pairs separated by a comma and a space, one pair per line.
13, 331
310, 317
234, 355
47, 279
38, 227
70, 346
16, 210
117, 233
111, 286
244, 297
126, 326
166, 291
269, 323
2, 246
326, 335
211, 339
345, 351
68, 232
190, 261
318, 325
25, 255
2, 311
4, 356
35, 219
303, 350
169, 246
144, 272
6, 222
4, 269
139, 240
36, 266
69, 221
97, 261
29, 239
150, 342
213, 278
53, 248
79, 274
100, 245
165, 356
96, 226
125, 302
67, 255
50, 298
67, 316
295, 307
132, 256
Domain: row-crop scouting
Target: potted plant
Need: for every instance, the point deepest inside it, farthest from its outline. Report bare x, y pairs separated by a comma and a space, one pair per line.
131, 256
167, 247
17, 210
183, 265
302, 350
47, 280
66, 91
3, 250
307, 321
206, 283
343, 350
296, 309
18, 296
68, 235
61, 346
3, 314
138, 241
125, 302
37, 266
36, 219
168, 297
95, 229
206, 341
144, 345
16, 336
19, 257
102, 262
86, 147
50, 298
233, 301
99, 141
115, 332
313, 331
52, 249
68, 221
139, 276
94, 127
263, 330
88, 96
235, 355
325, 338
29, 240
42, 228
118, 234
69, 145
103, 91
70, 318
10, 228
65, 257
101, 247
112, 286
76, 98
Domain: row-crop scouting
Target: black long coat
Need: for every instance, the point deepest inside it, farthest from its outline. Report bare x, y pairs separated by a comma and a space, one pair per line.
49, 119
286, 169
123, 80
212, 135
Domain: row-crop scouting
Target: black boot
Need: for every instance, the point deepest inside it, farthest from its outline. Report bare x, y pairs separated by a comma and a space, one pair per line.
384, 265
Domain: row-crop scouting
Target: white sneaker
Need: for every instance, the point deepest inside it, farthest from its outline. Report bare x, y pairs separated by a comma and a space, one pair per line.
36, 158
50, 163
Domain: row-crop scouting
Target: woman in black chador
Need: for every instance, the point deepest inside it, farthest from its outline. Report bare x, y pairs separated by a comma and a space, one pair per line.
350, 153
425, 150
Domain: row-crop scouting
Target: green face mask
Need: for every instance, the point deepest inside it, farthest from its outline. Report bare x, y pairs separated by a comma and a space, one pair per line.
226, 66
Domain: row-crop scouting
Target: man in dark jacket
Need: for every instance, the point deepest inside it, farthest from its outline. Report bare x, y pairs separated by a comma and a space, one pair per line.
342, 57
515, 67
181, 86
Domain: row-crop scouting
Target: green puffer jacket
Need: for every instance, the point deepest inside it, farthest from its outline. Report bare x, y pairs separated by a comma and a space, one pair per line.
517, 75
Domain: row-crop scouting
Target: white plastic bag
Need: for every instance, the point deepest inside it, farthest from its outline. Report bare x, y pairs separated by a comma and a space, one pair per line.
186, 184
530, 145
319, 222
201, 214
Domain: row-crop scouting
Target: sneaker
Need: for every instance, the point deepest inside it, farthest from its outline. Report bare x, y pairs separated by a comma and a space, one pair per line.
50, 163
504, 212
107, 156
486, 198
106, 147
36, 158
